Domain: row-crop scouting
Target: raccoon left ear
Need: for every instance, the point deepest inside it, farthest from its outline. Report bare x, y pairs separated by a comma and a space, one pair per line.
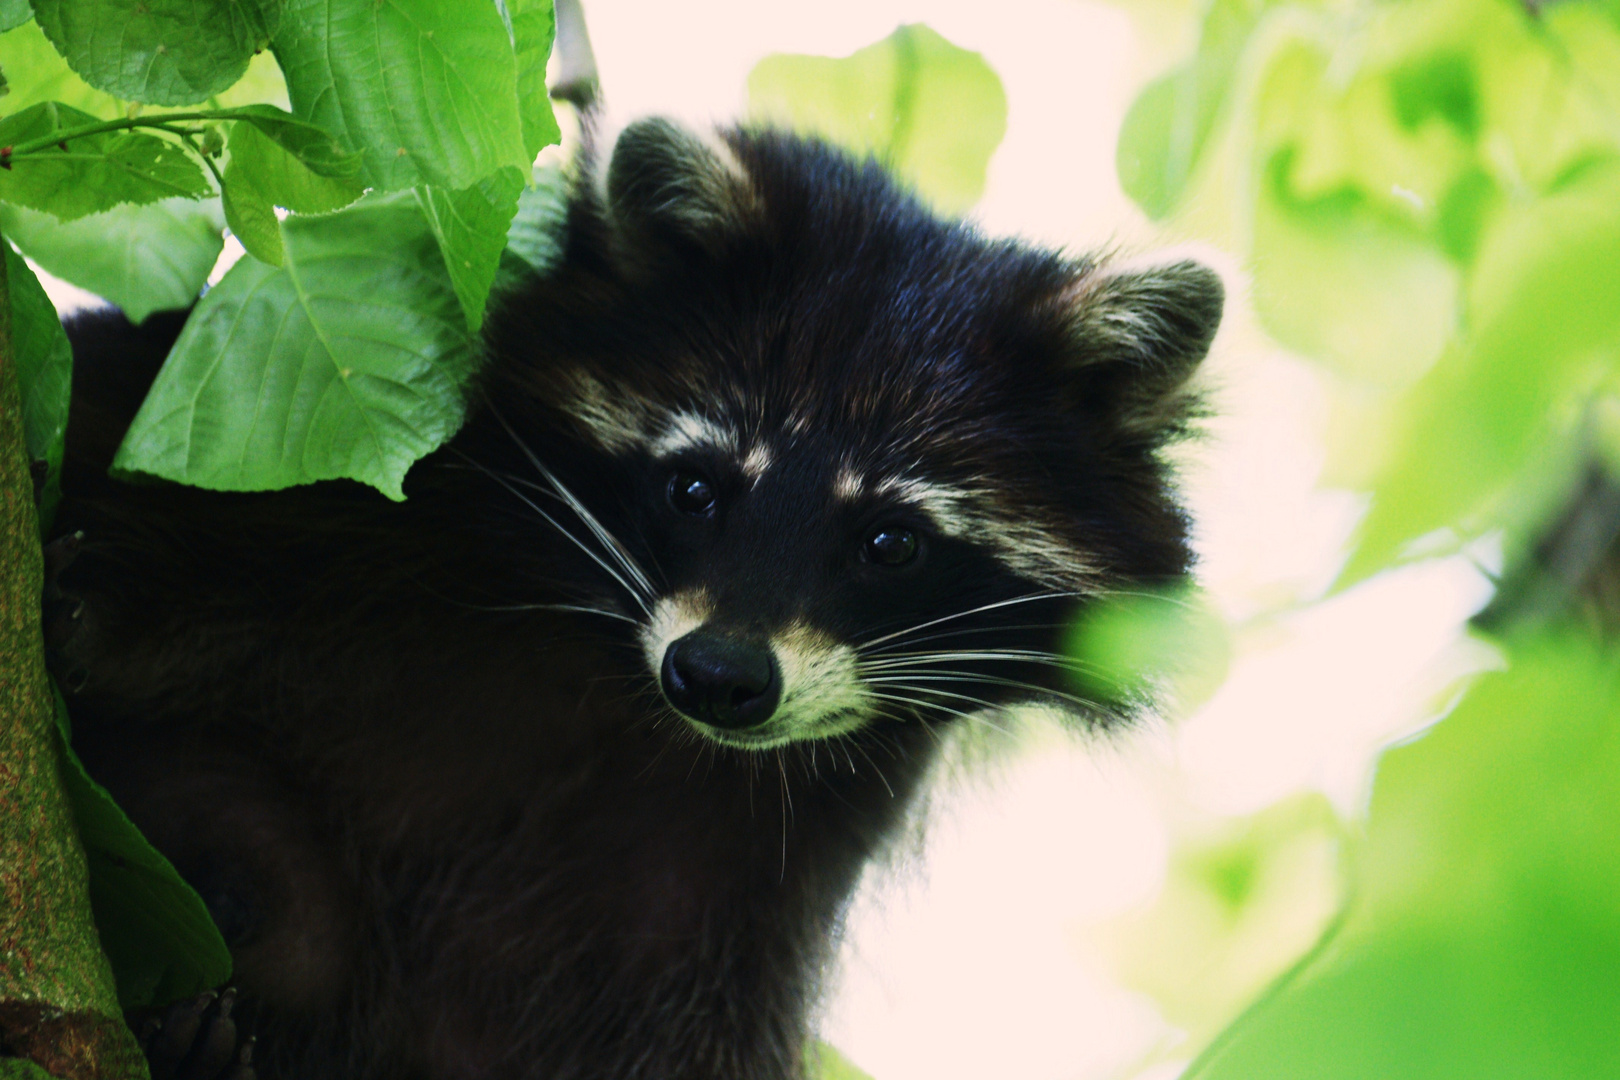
1137, 338
669, 186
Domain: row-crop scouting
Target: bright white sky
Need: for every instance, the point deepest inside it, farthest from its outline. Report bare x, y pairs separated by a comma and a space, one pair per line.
967, 961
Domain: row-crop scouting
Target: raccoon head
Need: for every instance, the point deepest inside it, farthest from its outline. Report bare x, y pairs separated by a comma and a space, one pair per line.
841, 462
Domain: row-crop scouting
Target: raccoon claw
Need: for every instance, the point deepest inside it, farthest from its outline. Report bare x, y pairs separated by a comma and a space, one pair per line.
197, 1040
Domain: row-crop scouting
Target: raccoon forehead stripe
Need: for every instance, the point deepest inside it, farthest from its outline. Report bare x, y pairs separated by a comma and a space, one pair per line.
686, 430
617, 422
1019, 542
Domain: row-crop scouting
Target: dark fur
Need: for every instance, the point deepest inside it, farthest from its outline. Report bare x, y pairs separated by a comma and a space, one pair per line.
455, 838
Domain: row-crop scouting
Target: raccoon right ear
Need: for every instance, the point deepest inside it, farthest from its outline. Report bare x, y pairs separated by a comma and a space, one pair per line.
1136, 338
667, 186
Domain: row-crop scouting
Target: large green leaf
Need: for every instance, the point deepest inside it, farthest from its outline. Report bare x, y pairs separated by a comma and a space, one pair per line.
425, 90
348, 361
166, 52
38, 73
142, 258
1169, 125
153, 926
932, 112
44, 373
470, 226
94, 172
1484, 941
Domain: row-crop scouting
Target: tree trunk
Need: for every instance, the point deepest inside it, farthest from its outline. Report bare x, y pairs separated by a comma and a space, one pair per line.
58, 1003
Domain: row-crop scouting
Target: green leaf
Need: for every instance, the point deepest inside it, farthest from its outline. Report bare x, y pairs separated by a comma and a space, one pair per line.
1342, 280
932, 112
251, 217
14, 13
95, 172
312, 146
470, 226
348, 361
534, 29
1484, 941
154, 928
1168, 127
1164, 644
142, 258
22, 1068
38, 73
536, 234
164, 52
425, 90
264, 172
44, 373
1544, 306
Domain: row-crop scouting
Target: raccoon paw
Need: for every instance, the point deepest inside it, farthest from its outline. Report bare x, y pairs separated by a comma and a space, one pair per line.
197, 1040
62, 614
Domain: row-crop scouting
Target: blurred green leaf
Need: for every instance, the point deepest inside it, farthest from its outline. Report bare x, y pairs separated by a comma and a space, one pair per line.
154, 928
470, 226
425, 90
1242, 900
932, 112
1544, 311
1347, 283
142, 258
348, 361
97, 172
44, 374
824, 1062
1168, 127
22, 1068
1483, 942
164, 52
1149, 645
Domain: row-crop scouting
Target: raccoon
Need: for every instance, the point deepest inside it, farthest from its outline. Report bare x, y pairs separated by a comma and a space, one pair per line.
567, 765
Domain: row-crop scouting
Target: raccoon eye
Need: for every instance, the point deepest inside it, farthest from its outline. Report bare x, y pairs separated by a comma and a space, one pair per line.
891, 546
690, 493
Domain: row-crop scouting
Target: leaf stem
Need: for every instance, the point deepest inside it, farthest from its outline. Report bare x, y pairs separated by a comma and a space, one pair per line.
161, 122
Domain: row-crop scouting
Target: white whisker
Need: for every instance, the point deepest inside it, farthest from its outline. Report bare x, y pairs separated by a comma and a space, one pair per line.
619, 552
555, 524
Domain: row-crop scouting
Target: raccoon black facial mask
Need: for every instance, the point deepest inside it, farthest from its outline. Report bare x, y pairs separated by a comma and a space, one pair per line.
771, 460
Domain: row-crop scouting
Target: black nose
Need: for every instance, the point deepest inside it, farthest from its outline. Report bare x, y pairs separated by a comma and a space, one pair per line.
722, 681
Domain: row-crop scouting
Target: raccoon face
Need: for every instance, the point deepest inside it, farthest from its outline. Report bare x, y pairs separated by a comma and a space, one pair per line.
842, 462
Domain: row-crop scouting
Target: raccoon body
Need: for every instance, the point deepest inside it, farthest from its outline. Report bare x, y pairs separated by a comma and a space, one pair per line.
566, 766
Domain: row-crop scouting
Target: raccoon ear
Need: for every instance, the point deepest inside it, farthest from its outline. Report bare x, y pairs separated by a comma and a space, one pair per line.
1136, 339
667, 186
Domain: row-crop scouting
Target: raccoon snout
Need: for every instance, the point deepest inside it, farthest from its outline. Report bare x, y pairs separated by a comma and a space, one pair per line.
721, 681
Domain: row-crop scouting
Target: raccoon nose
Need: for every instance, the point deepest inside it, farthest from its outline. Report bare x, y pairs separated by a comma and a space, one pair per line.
725, 682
